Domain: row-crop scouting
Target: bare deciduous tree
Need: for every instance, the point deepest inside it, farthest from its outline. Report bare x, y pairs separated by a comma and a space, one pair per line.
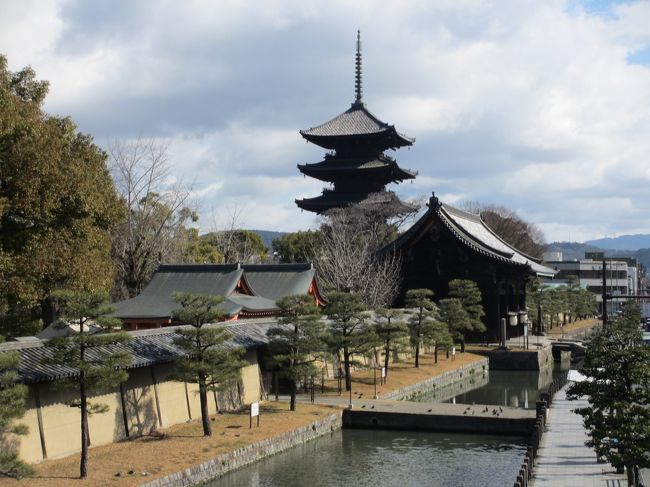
522, 235
154, 228
233, 242
347, 256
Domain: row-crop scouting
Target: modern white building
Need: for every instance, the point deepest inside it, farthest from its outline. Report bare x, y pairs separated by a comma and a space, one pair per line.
621, 275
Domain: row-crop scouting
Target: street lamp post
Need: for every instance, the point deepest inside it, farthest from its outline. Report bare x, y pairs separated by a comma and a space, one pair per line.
350, 405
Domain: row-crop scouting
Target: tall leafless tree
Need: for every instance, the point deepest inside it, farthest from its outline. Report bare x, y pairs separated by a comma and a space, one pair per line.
347, 257
232, 241
154, 228
522, 235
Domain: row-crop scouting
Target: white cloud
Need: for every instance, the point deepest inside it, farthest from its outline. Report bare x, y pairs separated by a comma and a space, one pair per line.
527, 104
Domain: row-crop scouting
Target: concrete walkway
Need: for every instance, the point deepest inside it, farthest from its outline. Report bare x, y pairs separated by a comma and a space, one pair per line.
563, 459
426, 408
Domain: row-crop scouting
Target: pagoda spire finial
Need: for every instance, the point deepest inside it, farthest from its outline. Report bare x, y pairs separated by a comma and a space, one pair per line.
357, 81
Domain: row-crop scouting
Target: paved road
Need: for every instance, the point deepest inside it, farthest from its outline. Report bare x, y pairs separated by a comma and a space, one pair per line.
564, 460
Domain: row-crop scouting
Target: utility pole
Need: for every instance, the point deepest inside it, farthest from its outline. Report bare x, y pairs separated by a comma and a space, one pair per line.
604, 293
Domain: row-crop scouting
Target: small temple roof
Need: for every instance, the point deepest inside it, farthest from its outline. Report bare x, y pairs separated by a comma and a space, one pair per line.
333, 167
275, 282
155, 300
472, 231
266, 283
355, 122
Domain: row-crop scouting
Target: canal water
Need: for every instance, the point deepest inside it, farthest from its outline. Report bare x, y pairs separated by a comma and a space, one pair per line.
404, 458
507, 388
360, 458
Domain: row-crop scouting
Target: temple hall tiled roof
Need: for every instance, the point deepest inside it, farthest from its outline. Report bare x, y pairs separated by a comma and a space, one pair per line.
267, 283
472, 231
275, 282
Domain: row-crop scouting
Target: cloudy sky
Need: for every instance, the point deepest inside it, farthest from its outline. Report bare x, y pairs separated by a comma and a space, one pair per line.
540, 106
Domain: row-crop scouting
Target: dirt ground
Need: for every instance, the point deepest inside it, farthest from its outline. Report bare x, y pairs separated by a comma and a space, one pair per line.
399, 375
183, 445
577, 326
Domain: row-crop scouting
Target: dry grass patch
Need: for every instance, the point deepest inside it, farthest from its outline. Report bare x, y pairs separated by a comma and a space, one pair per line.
183, 445
576, 326
171, 449
400, 375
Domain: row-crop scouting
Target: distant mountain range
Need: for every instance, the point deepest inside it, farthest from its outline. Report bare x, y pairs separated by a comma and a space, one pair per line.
624, 246
268, 236
624, 242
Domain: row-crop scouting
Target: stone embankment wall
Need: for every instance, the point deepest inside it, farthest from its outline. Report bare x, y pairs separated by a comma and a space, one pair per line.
440, 421
439, 381
251, 453
520, 360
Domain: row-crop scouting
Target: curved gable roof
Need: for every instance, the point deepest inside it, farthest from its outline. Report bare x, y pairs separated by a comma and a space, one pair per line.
266, 283
472, 231
156, 301
277, 281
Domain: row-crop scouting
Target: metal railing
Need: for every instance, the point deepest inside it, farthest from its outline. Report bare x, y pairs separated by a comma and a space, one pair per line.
545, 399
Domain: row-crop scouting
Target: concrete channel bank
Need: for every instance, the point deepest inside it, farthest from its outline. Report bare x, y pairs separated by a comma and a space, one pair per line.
229, 461
241, 457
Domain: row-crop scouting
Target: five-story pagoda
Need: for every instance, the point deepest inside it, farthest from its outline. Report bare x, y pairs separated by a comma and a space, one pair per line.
357, 167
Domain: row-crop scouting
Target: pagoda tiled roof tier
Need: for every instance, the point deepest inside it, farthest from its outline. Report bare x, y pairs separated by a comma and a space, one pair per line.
334, 167
357, 124
329, 200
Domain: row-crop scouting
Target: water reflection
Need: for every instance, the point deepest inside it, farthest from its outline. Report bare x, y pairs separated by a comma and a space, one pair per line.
387, 458
518, 389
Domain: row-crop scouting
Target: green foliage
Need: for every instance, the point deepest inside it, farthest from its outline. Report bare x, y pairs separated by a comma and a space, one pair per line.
568, 299
57, 204
617, 364
98, 363
208, 362
296, 341
298, 246
348, 331
12, 407
390, 329
630, 316
457, 319
200, 250
237, 245
469, 295
98, 369
423, 322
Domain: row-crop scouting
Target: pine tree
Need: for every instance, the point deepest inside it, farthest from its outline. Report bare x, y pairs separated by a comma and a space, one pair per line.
458, 320
470, 296
617, 419
424, 315
348, 331
389, 328
295, 343
207, 362
12, 407
99, 364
